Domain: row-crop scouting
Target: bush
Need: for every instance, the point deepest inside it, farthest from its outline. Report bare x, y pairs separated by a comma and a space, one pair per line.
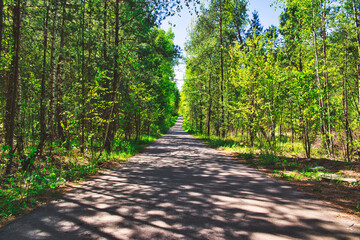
268, 159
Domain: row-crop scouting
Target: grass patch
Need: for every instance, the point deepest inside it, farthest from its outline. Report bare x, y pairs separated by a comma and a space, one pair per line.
268, 159
247, 156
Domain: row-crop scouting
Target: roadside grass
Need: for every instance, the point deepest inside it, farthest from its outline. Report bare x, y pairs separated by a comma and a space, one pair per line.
52, 173
24, 190
287, 162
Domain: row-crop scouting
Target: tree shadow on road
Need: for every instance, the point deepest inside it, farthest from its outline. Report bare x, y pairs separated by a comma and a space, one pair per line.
181, 189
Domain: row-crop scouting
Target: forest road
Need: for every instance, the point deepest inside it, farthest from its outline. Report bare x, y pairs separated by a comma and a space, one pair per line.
179, 188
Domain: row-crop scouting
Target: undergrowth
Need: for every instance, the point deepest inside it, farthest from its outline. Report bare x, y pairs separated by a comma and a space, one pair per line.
286, 160
273, 158
22, 189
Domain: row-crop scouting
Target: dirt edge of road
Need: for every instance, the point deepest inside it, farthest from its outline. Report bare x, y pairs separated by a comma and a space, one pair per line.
344, 197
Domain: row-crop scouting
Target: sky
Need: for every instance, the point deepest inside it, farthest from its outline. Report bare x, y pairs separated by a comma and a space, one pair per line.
268, 16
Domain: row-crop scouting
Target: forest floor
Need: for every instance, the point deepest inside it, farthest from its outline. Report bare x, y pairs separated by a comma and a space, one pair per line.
179, 188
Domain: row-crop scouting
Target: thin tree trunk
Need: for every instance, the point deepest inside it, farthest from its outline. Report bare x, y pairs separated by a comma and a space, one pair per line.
1, 25
10, 108
319, 85
59, 74
82, 141
292, 125
358, 46
209, 108
90, 47
280, 127
345, 108
43, 86
201, 116
326, 78
105, 32
2, 93
89, 60
222, 77
107, 144
272, 120
109, 135
116, 54
307, 139
116, 59
138, 122
20, 125
52, 78
200, 106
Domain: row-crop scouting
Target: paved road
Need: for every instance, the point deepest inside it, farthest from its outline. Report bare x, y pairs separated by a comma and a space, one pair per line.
181, 189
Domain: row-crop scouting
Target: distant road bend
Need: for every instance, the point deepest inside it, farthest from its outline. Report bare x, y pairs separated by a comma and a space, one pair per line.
181, 189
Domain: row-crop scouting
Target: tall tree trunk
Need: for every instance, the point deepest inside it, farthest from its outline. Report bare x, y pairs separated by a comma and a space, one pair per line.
52, 81
209, 108
116, 60
105, 33
82, 139
90, 47
201, 117
358, 46
20, 125
116, 54
318, 81
252, 117
345, 108
292, 125
11, 94
326, 78
2, 82
200, 106
107, 144
109, 135
43, 85
307, 139
59, 74
1, 25
222, 76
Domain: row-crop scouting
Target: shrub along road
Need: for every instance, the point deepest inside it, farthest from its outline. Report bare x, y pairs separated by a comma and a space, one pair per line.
179, 188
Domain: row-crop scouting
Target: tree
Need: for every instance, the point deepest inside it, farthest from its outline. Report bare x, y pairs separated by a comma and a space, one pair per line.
12, 87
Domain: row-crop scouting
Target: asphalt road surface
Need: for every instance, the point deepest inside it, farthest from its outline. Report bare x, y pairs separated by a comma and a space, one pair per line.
181, 189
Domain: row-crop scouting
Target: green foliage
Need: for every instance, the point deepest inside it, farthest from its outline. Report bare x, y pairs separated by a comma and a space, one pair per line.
247, 156
18, 192
288, 176
22, 189
287, 88
97, 84
288, 164
268, 159
311, 175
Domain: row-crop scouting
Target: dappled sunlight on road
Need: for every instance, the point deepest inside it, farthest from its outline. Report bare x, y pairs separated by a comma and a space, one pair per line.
181, 189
